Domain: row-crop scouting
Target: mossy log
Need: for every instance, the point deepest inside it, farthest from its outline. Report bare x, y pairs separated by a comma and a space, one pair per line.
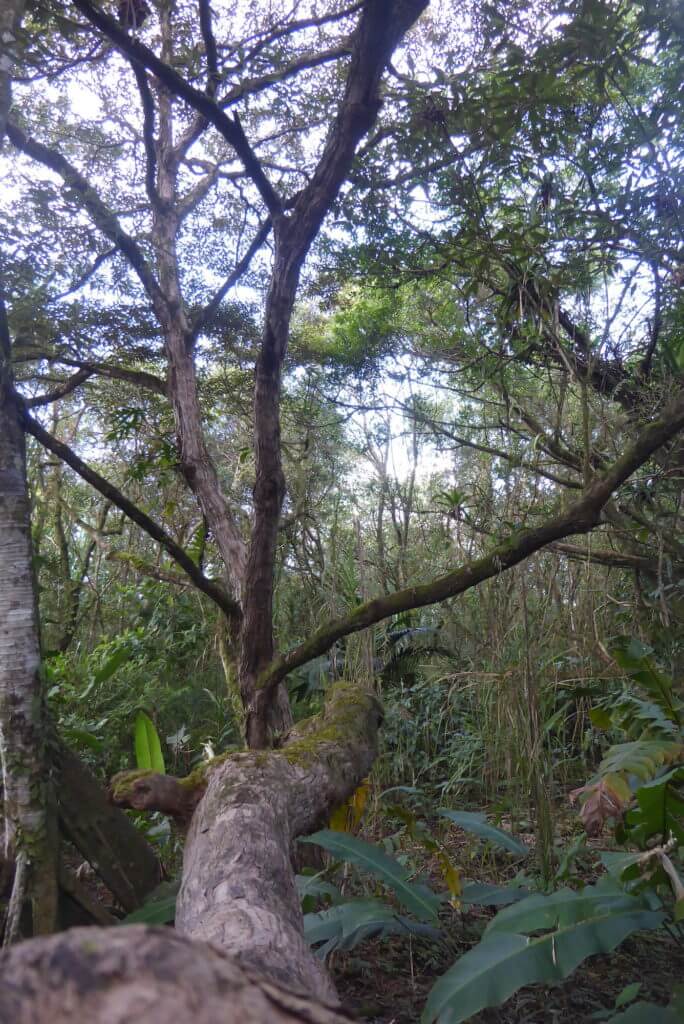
237, 893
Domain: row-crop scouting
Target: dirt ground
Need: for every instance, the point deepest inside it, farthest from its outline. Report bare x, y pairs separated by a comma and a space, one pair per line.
388, 981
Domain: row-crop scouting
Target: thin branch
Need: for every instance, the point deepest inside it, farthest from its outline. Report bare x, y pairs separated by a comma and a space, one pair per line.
60, 392
230, 128
84, 278
209, 587
611, 559
253, 86
205, 315
148, 135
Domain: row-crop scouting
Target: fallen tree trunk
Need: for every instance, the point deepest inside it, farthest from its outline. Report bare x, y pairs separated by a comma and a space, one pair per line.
238, 893
141, 974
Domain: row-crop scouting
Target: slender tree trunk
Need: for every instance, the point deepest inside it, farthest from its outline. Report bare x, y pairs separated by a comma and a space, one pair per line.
30, 835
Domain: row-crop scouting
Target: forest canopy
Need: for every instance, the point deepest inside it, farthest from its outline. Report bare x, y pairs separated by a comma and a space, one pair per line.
341, 403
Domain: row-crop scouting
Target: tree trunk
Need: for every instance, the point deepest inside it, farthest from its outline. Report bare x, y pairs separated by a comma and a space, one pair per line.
238, 893
29, 838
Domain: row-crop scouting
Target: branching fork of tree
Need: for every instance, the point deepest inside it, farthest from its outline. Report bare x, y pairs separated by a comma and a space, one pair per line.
238, 890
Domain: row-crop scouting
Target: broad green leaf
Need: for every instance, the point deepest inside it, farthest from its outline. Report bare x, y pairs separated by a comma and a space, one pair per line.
148, 754
563, 907
478, 824
419, 899
646, 1013
314, 885
628, 994
110, 666
492, 895
158, 908
503, 962
345, 926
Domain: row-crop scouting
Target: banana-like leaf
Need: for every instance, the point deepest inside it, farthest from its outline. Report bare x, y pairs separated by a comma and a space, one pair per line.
345, 926
503, 962
492, 895
564, 907
417, 898
478, 824
640, 1013
148, 753
642, 758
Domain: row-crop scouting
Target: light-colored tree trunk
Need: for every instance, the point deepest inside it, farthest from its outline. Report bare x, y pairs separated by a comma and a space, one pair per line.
28, 838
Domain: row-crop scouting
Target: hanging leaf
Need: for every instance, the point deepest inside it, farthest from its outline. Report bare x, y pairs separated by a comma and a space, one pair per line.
419, 899
606, 799
148, 753
478, 824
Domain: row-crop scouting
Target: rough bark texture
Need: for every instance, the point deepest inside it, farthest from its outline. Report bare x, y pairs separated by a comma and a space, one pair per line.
141, 974
238, 893
238, 888
380, 28
102, 833
27, 838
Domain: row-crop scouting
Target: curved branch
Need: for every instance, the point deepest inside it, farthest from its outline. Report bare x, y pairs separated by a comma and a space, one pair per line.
102, 216
61, 391
579, 517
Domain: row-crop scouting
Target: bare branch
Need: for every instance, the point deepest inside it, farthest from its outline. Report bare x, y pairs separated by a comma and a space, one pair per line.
102, 216
64, 389
230, 128
205, 315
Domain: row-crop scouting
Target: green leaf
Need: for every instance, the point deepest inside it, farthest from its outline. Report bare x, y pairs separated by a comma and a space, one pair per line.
629, 993
492, 895
600, 718
345, 926
419, 899
148, 754
110, 666
478, 824
158, 908
647, 1013
503, 962
563, 907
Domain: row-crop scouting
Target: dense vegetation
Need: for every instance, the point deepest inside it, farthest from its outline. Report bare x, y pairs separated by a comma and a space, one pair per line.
478, 416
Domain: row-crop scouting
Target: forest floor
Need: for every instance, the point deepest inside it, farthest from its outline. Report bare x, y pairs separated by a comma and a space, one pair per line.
387, 981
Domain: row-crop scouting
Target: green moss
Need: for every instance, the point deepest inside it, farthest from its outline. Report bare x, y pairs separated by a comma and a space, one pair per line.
122, 783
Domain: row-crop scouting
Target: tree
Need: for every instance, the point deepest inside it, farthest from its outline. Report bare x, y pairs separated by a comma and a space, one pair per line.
141, 214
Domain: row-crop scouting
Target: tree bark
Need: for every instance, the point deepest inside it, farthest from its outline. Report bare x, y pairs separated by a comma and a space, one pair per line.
29, 838
238, 893
142, 974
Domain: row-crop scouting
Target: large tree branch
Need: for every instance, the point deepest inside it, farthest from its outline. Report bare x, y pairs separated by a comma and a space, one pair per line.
63, 389
209, 587
230, 128
579, 517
